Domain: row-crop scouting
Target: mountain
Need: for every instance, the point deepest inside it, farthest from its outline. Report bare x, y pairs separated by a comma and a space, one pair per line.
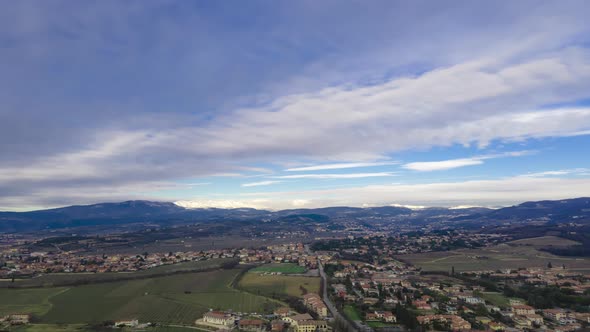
566, 210
166, 213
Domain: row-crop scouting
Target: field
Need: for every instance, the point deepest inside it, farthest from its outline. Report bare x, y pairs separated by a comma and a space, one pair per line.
177, 299
279, 285
34, 301
509, 255
285, 268
67, 279
497, 299
83, 327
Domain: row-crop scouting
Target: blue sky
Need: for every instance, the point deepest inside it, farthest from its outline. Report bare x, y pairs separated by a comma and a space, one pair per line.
293, 104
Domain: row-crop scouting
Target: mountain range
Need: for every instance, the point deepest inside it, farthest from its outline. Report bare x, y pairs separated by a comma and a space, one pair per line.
167, 213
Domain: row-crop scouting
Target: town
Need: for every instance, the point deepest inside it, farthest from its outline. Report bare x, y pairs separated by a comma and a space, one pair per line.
365, 285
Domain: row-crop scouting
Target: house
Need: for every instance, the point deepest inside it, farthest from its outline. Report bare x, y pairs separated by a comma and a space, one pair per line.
495, 326
19, 319
421, 305
312, 326
282, 311
315, 303
219, 318
554, 314
296, 318
371, 316
386, 316
523, 309
251, 325
127, 323
277, 326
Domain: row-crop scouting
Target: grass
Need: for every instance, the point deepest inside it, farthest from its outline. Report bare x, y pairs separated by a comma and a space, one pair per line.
497, 299
175, 299
279, 285
84, 327
379, 324
69, 279
34, 301
51, 328
503, 256
284, 268
351, 312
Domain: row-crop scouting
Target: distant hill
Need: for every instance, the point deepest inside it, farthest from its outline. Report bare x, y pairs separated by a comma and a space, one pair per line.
166, 213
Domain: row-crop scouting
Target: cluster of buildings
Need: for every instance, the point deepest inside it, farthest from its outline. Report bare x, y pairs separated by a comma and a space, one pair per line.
283, 253
24, 263
21, 262
379, 291
283, 319
14, 319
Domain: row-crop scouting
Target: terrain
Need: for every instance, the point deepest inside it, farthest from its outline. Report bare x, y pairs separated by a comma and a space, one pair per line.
175, 299
129, 215
516, 254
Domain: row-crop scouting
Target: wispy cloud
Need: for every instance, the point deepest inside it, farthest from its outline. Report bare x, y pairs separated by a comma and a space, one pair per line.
337, 176
573, 171
428, 166
260, 183
340, 166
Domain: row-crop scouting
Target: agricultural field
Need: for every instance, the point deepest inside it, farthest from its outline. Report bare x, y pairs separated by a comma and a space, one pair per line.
279, 285
284, 268
34, 301
67, 279
510, 255
84, 327
178, 299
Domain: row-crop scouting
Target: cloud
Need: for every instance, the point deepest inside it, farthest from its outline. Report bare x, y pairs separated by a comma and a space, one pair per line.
427, 166
336, 176
261, 183
339, 166
497, 192
573, 171
223, 204
382, 83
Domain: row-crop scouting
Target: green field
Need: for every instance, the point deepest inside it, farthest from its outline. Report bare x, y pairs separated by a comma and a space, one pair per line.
33, 301
497, 299
84, 327
178, 299
511, 255
68, 279
380, 324
284, 268
279, 285
351, 312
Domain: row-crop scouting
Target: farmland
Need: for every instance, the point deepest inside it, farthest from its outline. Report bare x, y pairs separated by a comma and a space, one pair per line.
68, 279
279, 285
285, 268
177, 299
509, 255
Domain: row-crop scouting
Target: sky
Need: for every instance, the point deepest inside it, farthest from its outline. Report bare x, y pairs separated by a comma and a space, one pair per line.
292, 104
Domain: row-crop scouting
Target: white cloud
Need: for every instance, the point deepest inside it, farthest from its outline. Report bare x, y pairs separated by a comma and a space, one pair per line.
498, 192
336, 176
339, 166
573, 171
223, 204
260, 183
427, 166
